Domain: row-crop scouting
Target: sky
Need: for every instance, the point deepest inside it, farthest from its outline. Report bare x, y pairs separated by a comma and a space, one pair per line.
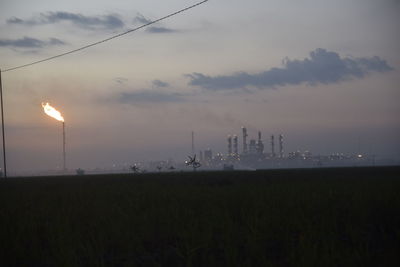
325, 74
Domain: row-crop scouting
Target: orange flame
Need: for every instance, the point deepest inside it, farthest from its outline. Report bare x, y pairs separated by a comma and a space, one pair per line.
52, 112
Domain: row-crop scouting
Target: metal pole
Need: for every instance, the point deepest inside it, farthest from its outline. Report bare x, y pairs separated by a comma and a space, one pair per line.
193, 143
64, 164
2, 128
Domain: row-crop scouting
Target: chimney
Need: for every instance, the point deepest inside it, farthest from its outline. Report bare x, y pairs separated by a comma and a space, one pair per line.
235, 145
244, 130
229, 145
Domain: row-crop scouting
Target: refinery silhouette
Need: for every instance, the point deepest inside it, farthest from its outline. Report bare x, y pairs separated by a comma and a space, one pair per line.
244, 153
255, 155
241, 153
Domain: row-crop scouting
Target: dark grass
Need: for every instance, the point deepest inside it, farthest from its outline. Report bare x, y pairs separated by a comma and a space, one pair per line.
309, 217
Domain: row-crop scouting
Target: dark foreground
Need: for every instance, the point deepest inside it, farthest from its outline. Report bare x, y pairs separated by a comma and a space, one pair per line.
319, 217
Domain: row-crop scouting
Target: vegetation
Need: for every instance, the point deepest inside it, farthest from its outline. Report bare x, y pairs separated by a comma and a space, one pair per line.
309, 217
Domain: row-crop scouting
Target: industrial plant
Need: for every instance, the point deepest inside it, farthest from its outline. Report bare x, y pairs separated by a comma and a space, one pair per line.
255, 154
242, 153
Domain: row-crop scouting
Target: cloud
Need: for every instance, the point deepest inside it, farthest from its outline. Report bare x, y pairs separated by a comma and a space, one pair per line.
139, 18
160, 30
15, 20
149, 96
110, 21
120, 80
55, 41
158, 83
322, 67
28, 42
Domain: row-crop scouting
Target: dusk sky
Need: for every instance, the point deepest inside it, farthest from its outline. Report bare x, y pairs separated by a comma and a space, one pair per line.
325, 74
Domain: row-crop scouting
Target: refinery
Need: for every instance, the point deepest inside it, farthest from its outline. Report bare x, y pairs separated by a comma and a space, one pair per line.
259, 154
241, 153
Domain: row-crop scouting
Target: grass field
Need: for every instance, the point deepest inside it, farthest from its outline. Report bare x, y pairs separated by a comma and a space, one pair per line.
309, 217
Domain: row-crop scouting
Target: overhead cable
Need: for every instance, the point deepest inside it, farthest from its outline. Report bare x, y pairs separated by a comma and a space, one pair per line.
104, 40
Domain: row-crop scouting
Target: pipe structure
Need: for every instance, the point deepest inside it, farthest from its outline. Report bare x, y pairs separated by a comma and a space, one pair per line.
260, 145
235, 145
244, 130
229, 145
193, 143
281, 146
2, 128
64, 154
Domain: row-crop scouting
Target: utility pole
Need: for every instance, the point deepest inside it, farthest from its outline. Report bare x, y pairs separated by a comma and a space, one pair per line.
2, 127
64, 163
193, 151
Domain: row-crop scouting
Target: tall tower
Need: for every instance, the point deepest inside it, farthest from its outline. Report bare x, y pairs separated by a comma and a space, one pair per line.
260, 145
244, 130
272, 146
281, 146
235, 145
229, 145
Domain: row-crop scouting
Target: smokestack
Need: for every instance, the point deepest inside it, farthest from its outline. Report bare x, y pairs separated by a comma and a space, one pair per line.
244, 140
235, 145
272, 146
64, 154
229, 145
260, 145
281, 146
52, 112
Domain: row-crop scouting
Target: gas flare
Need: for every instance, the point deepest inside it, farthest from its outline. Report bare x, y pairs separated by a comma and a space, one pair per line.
52, 112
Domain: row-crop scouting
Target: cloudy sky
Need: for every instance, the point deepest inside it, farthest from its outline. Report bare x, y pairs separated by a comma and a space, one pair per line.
326, 74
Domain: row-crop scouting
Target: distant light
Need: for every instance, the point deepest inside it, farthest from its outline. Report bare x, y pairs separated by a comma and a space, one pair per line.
359, 156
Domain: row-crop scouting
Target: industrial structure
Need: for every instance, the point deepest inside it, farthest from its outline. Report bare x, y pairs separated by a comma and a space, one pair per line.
254, 155
193, 150
244, 130
235, 146
281, 146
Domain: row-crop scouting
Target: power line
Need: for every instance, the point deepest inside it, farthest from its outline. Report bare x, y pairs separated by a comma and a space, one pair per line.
105, 40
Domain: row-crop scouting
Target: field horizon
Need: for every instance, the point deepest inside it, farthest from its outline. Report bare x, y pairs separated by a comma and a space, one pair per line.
286, 217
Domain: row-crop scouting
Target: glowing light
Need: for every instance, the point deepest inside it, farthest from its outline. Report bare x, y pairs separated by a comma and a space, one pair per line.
52, 112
